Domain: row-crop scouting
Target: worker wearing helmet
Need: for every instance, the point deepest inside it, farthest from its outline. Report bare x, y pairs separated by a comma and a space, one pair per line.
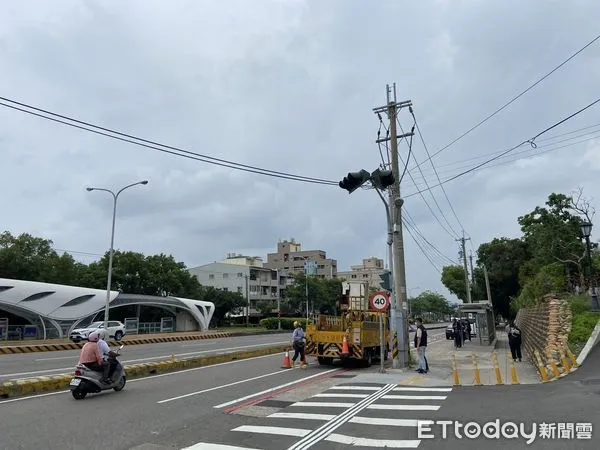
90, 355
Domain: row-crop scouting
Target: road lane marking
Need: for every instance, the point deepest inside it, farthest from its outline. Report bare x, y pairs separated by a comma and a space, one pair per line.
405, 407
215, 388
372, 443
355, 388
329, 427
324, 404
423, 389
151, 358
335, 395
295, 382
208, 446
383, 421
307, 416
414, 397
151, 377
280, 431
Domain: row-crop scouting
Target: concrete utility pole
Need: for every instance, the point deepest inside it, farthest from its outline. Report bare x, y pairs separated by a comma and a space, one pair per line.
399, 323
487, 284
247, 301
471, 264
463, 251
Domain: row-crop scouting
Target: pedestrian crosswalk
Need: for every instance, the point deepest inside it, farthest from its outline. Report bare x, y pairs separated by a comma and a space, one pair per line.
368, 415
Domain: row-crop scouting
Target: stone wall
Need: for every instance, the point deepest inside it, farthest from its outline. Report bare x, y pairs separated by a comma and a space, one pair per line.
545, 328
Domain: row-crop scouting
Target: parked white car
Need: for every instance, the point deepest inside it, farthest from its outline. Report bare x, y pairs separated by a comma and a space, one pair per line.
115, 329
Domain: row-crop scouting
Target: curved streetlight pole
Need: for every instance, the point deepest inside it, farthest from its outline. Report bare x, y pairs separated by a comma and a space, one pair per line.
112, 241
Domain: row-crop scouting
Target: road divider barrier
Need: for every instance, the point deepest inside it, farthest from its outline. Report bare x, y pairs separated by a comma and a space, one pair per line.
496, 364
45, 384
16, 349
475, 370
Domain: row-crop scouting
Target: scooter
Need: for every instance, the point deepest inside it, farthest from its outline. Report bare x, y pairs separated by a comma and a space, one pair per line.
87, 381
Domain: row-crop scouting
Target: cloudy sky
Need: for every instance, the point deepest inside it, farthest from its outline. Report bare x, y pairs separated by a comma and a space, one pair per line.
289, 85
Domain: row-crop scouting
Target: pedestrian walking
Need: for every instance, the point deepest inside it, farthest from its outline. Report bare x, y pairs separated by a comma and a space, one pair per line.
421, 345
458, 333
298, 342
468, 323
514, 341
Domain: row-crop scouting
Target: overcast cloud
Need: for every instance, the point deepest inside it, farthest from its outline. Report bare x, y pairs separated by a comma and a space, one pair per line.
288, 85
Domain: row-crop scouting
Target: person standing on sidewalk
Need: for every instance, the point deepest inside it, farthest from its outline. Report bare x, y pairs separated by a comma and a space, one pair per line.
421, 345
514, 341
298, 344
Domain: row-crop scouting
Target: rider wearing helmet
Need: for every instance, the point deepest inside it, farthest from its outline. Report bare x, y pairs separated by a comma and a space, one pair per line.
90, 355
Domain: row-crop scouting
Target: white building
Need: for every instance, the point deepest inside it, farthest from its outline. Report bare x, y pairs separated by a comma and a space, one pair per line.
369, 271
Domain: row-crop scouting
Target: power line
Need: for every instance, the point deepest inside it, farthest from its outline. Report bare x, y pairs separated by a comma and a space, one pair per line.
435, 170
514, 98
411, 222
530, 141
86, 126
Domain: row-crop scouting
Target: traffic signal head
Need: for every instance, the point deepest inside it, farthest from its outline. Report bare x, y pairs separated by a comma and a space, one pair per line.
386, 280
382, 179
354, 180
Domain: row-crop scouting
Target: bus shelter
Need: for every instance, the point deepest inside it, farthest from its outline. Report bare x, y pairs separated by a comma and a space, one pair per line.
483, 313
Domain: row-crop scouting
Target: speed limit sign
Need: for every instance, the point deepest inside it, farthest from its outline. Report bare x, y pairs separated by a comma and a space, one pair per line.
380, 300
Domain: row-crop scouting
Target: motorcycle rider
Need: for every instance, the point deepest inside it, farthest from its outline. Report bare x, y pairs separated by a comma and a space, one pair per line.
110, 363
90, 355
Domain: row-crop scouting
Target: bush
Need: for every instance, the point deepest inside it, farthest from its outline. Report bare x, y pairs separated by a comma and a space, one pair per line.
583, 323
287, 323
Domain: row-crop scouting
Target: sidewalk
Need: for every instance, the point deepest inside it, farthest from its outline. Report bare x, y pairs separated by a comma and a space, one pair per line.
440, 358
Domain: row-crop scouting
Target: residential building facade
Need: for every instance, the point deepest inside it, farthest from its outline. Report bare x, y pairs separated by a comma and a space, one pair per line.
290, 259
369, 271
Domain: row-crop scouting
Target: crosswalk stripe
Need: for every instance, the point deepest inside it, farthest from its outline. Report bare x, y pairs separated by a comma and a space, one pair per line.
385, 421
281, 431
423, 389
355, 388
415, 397
342, 395
209, 446
373, 443
307, 416
405, 407
325, 404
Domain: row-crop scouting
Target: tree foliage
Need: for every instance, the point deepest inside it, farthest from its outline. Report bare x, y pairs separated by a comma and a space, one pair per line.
430, 302
548, 257
323, 294
26, 257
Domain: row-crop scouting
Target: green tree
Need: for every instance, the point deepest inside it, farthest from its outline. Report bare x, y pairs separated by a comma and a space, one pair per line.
430, 302
323, 294
225, 302
453, 278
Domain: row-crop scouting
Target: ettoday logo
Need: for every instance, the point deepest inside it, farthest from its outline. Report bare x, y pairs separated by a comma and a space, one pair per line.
428, 429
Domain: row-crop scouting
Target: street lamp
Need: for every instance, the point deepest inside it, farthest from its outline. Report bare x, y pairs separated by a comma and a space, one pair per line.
586, 231
112, 241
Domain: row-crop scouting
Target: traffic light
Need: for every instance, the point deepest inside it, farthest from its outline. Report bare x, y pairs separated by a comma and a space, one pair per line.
382, 179
354, 180
386, 280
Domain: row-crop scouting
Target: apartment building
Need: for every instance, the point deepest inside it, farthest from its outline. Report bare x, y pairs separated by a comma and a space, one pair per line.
290, 259
370, 271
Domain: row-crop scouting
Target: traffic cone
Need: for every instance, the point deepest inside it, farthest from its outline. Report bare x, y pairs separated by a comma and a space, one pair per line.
286, 360
345, 350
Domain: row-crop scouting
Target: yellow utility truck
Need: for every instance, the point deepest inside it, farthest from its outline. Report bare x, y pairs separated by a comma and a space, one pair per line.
355, 333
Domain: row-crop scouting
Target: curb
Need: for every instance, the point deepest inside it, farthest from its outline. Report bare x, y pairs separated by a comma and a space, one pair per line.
39, 385
15, 349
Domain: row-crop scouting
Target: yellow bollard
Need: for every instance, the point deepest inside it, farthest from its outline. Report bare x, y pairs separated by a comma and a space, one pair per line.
476, 370
455, 370
541, 367
497, 368
572, 358
513, 373
553, 365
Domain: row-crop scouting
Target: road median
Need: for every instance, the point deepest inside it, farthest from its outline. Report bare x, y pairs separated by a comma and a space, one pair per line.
46, 384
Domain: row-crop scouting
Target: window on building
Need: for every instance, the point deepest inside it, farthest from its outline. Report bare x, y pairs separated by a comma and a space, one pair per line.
37, 296
211, 277
239, 289
79, 300
353, 276
240, 274
225, 289
225, 275
365, 275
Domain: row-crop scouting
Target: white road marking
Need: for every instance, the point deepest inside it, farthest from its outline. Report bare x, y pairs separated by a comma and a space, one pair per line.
281, 431
215, 388
53, 359
342, 395
281, 386
324, 404
386, 422
372, 443
414, 397
151, 358
208, 446
306, 416
423, 389
355, 388
149, 378
405, 407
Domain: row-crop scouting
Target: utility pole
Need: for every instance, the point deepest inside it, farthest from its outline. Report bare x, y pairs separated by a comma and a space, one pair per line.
247, 302
471, 264
464, 256
487, 284
398, 324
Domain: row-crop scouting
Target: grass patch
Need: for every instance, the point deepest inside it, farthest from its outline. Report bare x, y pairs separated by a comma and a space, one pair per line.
583, 323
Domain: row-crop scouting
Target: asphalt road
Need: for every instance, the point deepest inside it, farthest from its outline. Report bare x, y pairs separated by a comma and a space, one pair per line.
28, 365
